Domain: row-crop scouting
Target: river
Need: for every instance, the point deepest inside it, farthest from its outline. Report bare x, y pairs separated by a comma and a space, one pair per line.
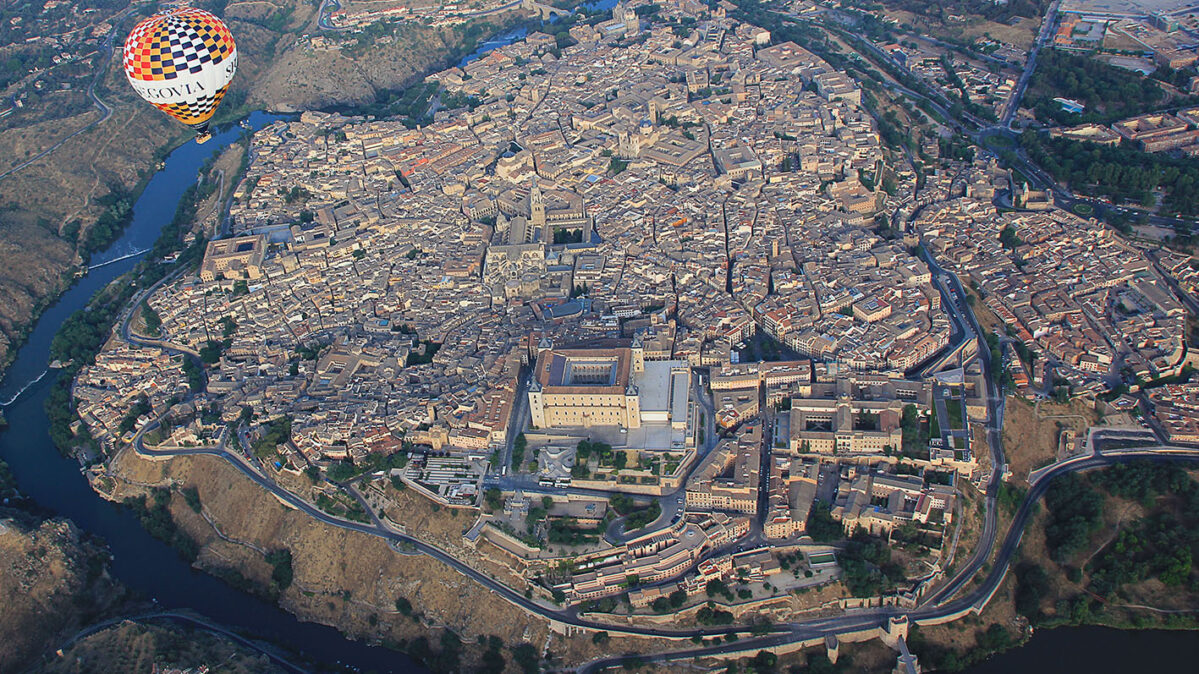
153, 569
1098, 650
141, 562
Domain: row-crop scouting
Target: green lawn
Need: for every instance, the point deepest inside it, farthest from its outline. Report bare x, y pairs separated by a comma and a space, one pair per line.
954, 406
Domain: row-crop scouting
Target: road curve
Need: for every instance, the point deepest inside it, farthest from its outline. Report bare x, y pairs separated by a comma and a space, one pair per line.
781, 634
878, 617
184, 617
105, 110
566, 616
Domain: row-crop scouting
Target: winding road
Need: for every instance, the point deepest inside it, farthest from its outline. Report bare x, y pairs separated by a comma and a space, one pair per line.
188, 618
105, 110
952, 598
935, 606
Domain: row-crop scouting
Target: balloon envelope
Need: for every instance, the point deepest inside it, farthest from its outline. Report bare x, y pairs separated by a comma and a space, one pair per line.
181, 61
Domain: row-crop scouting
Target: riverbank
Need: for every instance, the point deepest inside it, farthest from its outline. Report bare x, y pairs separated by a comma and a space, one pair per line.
1096, 649
147, 566
53, 576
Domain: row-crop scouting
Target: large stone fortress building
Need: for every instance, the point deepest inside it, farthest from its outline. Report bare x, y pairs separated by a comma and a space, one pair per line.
609, 386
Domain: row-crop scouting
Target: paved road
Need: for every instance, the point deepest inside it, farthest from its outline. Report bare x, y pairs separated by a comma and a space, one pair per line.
1030, 65
188, 618
931, 608
565, 615
325, 22
105, 110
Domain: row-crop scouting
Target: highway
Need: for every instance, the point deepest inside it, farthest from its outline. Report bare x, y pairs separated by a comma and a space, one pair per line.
539, 607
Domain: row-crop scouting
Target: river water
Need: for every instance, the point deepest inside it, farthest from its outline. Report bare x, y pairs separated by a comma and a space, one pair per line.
1098, 650
153, 569
141, 562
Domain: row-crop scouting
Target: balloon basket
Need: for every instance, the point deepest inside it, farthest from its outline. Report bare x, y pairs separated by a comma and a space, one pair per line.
203, 138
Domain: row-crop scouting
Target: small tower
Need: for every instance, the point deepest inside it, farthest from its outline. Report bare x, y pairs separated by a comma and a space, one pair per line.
632, 399
536, 206
536, 408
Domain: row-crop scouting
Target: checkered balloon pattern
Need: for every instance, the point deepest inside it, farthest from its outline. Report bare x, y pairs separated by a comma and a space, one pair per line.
181, 61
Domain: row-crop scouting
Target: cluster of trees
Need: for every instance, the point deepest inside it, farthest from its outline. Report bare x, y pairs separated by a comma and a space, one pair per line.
718, 588
118, 211
821, 525
155, 515
710, 615
142, 406
1119, 173
85, 331
940, 12
1180, 78
673, 602
194, 374
915, 432
563, 236
869, 571
519, 446
1075, 512
454, 100
448, 656
1001, 373
228, 326
151, 319
8, 486
341, 471
1110, 93
1009, 239
1144, 481
296, 193
341, 507
1157, 547
211, 351
568, 532
281, 571
277, 432
411, 105
934, 657
639, 518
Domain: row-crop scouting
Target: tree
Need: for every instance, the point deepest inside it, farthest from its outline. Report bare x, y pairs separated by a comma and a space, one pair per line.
493, 498
717, 587
678, 598
764, 661
281, 573
821, 526
525, 655
403, 606
1075, 512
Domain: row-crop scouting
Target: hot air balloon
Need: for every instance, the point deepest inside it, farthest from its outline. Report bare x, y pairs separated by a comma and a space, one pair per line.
182, 61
